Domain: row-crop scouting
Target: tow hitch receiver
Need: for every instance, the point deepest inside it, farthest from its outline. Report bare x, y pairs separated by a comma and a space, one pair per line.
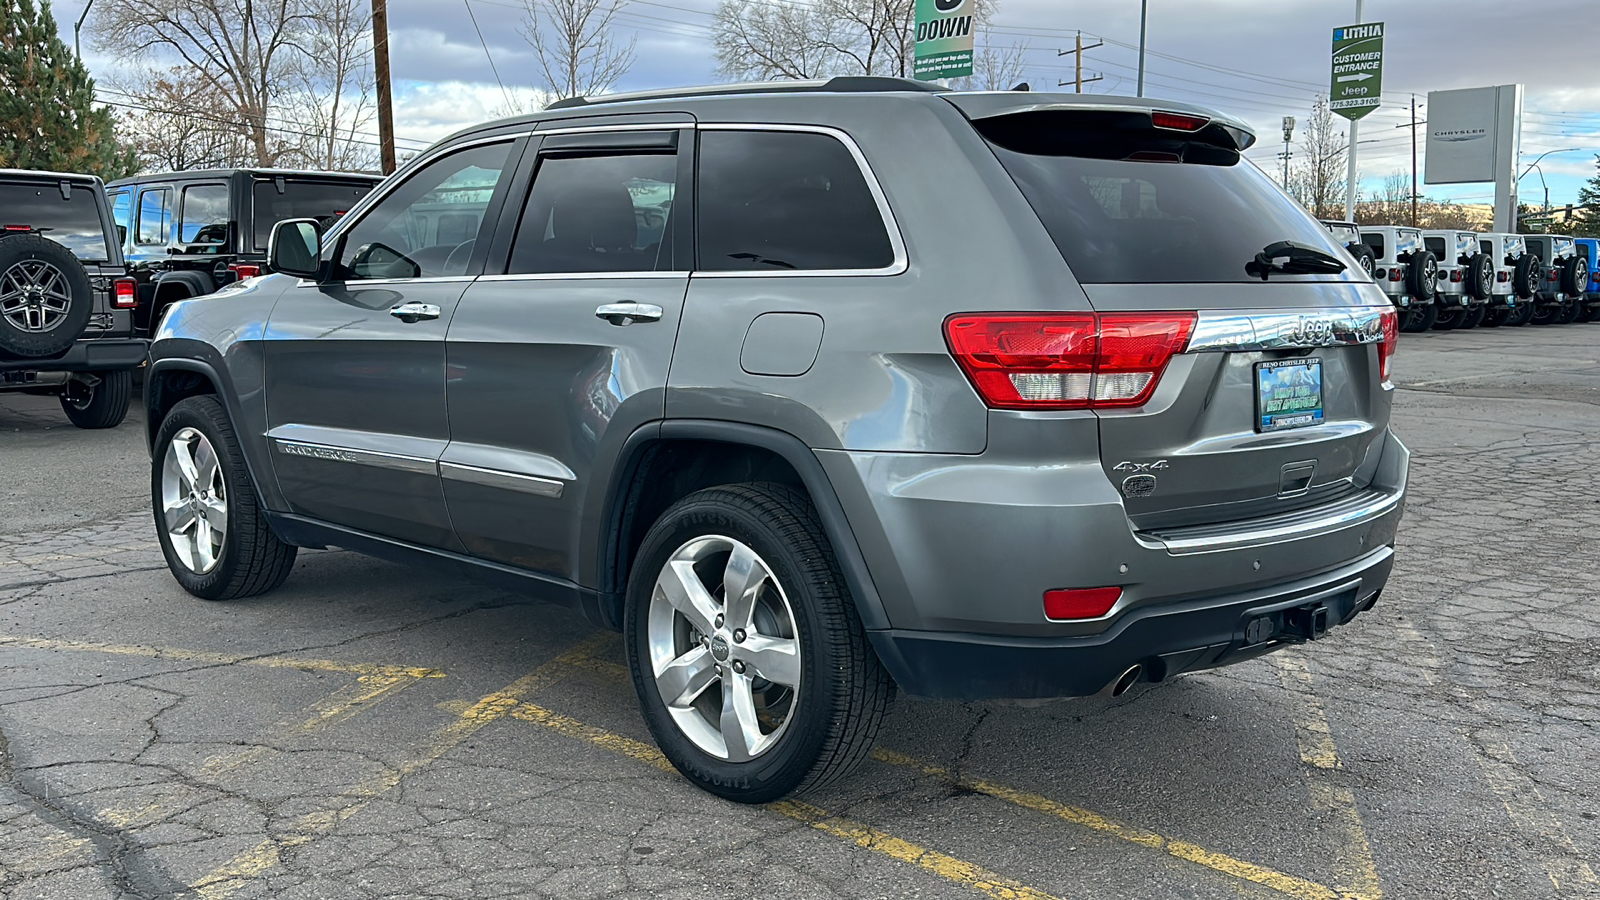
1307, 622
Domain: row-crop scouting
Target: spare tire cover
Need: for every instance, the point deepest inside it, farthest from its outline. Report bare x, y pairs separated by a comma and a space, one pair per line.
45, 297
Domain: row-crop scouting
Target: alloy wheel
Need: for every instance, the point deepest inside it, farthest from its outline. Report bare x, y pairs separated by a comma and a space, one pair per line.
34, 296
724, 650
194, 501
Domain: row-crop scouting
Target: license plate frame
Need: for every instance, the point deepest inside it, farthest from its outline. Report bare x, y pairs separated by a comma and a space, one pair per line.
1288, 394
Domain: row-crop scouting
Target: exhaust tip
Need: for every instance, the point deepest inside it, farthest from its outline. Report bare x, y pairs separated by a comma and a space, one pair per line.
1126, 680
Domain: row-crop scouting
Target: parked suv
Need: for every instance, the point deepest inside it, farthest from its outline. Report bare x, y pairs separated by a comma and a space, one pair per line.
1516, 279
1348, 234
1407, 271
1127, 417
1589, 249
66, 318
1466, 278
188, 233
1566, 279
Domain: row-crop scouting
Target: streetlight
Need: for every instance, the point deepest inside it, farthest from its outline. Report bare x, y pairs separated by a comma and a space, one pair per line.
1535, 165
77, 27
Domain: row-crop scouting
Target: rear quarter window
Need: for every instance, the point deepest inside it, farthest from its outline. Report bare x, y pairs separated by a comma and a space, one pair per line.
783, 201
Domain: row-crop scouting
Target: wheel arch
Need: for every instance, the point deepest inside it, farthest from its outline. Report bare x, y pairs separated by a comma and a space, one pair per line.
171, 380
650, 473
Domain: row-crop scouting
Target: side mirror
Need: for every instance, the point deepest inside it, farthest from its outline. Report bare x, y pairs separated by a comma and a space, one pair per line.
295, 248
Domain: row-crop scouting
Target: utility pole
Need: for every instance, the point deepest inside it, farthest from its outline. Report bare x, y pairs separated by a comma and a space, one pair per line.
1288, 132
1144, 9
1077, 52
380, 69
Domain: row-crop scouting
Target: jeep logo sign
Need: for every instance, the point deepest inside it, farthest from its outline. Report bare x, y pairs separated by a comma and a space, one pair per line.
944, 39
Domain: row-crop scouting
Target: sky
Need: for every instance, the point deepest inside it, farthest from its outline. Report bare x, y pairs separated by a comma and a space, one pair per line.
1258, 60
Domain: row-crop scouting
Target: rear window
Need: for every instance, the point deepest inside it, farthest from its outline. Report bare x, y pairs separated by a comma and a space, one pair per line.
1435, 246
322, 200
1486, 247
73, 221
1126, 206
1375, 241
1464, 244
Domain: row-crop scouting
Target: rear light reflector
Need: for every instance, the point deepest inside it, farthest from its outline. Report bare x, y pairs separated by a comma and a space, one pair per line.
1389, 343
1178, 121
1080, 603
19, 227
124, 293
1066, 360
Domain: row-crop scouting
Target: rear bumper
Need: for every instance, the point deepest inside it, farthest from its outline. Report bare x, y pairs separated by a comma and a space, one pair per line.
101, 354
1163, 640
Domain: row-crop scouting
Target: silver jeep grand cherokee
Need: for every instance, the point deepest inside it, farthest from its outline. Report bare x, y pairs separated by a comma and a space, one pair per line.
812, 390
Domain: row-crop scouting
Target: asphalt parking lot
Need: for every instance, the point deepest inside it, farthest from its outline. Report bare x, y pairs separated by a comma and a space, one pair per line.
370, 731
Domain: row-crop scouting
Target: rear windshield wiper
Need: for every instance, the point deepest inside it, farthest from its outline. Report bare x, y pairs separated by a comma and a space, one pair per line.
1293, 258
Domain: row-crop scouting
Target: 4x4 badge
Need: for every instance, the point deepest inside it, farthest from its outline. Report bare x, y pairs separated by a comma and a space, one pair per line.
1130, 466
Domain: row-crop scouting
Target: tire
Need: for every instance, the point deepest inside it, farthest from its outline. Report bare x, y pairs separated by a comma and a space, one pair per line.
1480, 276
1474, 316
1569, 311
1522, 314
829, 715
1545, 314
1364, 257
1496, 317
1588, 312
249, 559
1526, 275
1449, 318
45, 298
103, 405
1417, 319
1422, 275
1575, 276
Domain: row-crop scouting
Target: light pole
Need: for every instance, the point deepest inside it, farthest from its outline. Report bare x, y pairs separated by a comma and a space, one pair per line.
1144, 9
1535, 165
1350, 168
77, 27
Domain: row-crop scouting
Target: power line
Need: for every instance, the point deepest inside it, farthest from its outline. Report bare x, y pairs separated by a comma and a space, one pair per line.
503, 94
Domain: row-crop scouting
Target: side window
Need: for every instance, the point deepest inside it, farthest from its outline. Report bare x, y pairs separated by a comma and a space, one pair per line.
597, 214
774, 201
409, 233
122, 214
1375, 241
205, 214
1486, 248
155, 214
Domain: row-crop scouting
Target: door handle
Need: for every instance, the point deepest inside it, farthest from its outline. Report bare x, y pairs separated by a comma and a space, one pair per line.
628, 312
414, 312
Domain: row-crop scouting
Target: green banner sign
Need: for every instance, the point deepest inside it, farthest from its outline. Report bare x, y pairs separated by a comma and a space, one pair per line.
944, 39
1357, 84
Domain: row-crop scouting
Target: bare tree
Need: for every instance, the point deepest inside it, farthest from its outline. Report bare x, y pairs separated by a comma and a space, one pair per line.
244, 50
174, 121
331, 96
1318, 180
765, 40
1391, 205
573, 41
994, 67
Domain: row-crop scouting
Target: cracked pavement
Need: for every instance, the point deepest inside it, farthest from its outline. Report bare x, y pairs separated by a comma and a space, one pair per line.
373, 731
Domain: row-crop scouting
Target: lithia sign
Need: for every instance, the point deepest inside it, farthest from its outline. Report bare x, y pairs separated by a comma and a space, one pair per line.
944, 39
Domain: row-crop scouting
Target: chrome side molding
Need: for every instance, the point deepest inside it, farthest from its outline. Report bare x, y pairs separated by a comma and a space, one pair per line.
1287, 329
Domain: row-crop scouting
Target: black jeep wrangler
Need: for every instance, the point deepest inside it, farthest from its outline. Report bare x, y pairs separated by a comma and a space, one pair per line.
185, 234
66, 301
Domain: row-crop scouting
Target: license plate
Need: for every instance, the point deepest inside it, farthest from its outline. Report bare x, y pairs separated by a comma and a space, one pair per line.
1288, 394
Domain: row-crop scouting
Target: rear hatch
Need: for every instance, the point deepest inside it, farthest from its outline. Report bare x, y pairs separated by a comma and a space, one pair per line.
1278, 403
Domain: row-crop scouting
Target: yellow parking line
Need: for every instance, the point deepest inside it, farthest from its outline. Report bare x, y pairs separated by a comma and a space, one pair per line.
1501, 769
206, 656
947, 867
234, 875
1290, 885
1318, 752
1282, 883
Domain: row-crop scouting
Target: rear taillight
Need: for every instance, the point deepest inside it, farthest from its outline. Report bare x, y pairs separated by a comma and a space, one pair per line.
124, 293
1067, 360
1455, 275
1396, 274
244, 270
1502, 276
1555, 275
1390, 342
1178, 121
1081, 603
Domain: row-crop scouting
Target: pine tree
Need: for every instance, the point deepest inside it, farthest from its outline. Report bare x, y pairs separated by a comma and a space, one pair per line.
48, 119
1586, 222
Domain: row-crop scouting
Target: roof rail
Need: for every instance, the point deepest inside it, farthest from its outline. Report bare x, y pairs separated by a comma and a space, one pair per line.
853, 84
